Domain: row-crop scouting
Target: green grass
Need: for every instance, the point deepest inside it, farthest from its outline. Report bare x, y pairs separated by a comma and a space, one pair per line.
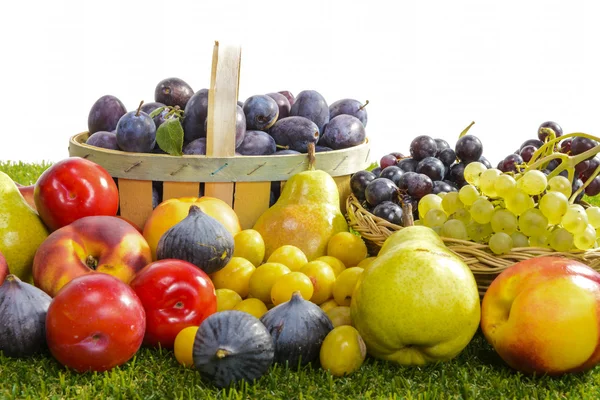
477, 373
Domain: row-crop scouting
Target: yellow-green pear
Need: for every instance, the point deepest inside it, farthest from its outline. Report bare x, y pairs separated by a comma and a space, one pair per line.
306, 215
417, 302
21, 229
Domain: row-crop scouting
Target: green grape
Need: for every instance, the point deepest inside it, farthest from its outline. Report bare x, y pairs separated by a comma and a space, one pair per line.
561, 240
586, 239
593, 214
429, 202
504, 221
473, 171
533, 182
554, 205
518, 201
487, 181
478, 232
500, 243
505, 185
468, 194
442, 194
540, 241
454, 229
532, 222
462, 214
561, 184
519, 240
482, 210
575, 219
435, 217
451, 202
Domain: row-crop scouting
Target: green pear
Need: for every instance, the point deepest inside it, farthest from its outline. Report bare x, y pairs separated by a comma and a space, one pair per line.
21, 229
306, 215
411, 236
417, 302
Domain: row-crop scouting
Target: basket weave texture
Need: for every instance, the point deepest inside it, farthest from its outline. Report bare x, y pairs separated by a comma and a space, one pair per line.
484, 264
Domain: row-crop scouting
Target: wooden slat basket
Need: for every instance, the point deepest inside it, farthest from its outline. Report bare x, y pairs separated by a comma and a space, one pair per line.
484, 264
244, 182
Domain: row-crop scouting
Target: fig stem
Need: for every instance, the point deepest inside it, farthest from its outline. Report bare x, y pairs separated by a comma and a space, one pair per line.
311, 156
464, 132
364, 105
137, 114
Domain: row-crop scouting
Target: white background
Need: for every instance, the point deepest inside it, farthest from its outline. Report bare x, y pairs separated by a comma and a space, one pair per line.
427, 67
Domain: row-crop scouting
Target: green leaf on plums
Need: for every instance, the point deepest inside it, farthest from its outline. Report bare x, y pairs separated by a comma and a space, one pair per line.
169, 137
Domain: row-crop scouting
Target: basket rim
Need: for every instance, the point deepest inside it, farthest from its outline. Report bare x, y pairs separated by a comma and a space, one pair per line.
122, 164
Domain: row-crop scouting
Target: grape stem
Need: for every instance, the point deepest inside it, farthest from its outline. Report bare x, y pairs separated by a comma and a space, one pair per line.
464, 132
545, 154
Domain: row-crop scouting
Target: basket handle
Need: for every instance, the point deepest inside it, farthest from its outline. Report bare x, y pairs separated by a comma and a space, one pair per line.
222, 100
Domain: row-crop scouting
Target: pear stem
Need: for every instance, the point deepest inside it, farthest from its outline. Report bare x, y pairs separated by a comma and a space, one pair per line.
311, 156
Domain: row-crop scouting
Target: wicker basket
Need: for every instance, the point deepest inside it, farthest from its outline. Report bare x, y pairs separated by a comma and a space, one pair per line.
484, 264
244, 182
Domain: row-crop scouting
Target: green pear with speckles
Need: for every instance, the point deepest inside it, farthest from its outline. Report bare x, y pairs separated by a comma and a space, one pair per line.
418, 302
21, 229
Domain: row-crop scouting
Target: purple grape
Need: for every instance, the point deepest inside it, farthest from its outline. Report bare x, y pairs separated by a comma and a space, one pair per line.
288, 95
432, 167
196, 146
389, 211
359, 182
447, 157
104, 139
387, 160
376, 171
419, 185
282, 103
295, 133
105, 114
380, 190
485, 162
593, 189
173, 92
343, 131
581, 167
392, 173
527, 152
349, 107
312, 105
593, 163
257, 143
577, 183
581, 144
194, 116
535, 142
441, 145
468, 149
441, 186
565, 146
136, 132
511, 162
552, 125
407, 164
451, 184
261, 112
457, 174
404, 179
422, 147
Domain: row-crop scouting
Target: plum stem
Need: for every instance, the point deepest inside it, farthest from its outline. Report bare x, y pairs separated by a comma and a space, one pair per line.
311, 156
364, 105
464, 132
137, 114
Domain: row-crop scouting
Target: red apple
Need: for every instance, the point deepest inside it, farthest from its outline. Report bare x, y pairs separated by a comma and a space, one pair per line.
542, 316
95, 323
3, 268
74, 188
88, 246
175, 294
